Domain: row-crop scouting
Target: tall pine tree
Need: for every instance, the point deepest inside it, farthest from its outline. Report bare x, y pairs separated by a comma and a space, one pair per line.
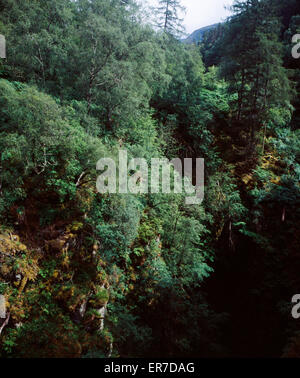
168, 18
253, 66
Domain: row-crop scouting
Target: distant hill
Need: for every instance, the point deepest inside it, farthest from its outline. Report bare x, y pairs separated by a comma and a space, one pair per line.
197, 35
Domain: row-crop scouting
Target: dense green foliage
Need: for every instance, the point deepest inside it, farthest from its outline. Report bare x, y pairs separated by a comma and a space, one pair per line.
93, 275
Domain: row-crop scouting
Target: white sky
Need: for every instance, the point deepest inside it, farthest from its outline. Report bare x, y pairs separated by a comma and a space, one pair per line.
200, 13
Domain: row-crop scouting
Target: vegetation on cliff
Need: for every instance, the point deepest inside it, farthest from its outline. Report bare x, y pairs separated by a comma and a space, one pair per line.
86, 274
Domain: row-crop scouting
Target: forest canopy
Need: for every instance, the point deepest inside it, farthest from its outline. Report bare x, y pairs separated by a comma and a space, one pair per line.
85, 274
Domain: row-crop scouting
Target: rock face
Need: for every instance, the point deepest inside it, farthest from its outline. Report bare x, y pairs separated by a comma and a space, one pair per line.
2, 307
102, 312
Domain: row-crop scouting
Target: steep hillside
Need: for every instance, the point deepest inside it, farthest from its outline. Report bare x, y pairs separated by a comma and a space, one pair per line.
91, 273
197, 35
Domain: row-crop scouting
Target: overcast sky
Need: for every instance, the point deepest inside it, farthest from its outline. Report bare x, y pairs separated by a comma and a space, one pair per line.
200, 13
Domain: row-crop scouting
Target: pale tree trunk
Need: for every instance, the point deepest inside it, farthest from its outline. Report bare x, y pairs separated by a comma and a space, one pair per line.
166, 18
2, 307
4, 316
5, 323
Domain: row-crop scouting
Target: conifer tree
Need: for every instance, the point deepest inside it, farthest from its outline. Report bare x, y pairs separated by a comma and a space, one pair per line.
252, 63
168, 18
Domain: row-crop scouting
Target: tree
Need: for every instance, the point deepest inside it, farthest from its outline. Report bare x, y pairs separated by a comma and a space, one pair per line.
168, 18
252, 64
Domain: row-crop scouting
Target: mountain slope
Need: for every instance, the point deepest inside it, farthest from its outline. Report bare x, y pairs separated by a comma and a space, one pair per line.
198, 34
